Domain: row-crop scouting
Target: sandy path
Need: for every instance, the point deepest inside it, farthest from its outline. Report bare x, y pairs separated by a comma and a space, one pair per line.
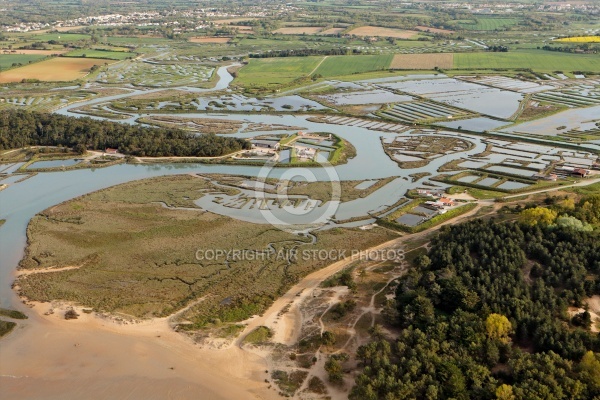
48, 357
298, 293
318, 65
25, 272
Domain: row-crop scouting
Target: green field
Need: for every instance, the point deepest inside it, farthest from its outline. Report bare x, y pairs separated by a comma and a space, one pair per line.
348, 65
135, 41
61, 37
90, 53
537, 60
267, 72
7, 60
488, 24
272, 72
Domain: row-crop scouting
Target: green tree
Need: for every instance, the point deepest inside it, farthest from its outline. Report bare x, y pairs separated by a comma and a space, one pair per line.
573, 223
498, 327
589, 368
505, 392
537, 216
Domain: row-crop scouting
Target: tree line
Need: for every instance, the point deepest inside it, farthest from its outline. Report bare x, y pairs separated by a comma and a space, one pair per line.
19, 128
307, 52
484, 315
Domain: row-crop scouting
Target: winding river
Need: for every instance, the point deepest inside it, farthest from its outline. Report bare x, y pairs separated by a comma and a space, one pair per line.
21, 201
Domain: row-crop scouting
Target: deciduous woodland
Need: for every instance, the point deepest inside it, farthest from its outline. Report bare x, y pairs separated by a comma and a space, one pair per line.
485, 315
25, 128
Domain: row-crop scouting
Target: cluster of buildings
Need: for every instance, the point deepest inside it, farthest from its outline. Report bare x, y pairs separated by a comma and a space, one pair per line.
439, 203
105, 20
151, 18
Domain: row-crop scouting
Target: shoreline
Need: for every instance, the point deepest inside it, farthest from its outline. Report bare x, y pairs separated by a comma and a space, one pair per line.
145, 358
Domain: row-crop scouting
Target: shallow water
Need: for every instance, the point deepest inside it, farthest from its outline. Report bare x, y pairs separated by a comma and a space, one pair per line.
53, 163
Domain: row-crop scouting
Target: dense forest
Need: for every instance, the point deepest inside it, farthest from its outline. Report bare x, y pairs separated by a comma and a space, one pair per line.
484, 315
25, 128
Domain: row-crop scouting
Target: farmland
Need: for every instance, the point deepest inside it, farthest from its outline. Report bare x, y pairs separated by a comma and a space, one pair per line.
536, 60
91, 53
383, 32
7, 60
61, 37
347, 65
388, 118
580, 39
209, 39
299, 30
422, 61
56, 69
488, 24
266, 72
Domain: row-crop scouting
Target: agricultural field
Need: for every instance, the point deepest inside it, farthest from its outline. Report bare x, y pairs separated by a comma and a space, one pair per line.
61, 69
273, 72
488, 24
8, 60
433, 30
422, 61
383, 32
208, 39
49, 52
92, 53
299, 30
332, 31
580, 39
60, 37
347, 65
537, 60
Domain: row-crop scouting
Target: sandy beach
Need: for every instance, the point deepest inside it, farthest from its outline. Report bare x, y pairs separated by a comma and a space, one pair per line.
48, 357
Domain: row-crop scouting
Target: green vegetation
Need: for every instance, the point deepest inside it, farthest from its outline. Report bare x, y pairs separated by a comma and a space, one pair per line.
92, 53
6, 327
538, 60
15, 60
289, 382
484, 314
342, 278
60, 37
488, 24
260, 335
348, 65
23, 128
438, 219
274, 72
139, 258
5, 312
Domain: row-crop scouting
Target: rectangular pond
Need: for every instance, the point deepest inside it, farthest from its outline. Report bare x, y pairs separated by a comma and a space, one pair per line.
509, 170
410, 220
488, 181
512, 185
54, 163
